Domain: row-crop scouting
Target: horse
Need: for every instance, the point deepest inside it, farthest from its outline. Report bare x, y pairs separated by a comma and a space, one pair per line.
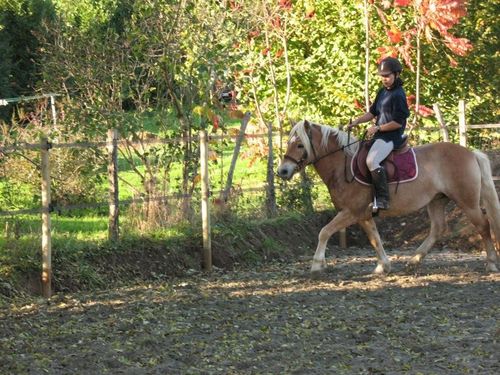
446, 171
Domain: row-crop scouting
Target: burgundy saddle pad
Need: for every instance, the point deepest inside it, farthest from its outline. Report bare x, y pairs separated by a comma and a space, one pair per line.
400, 165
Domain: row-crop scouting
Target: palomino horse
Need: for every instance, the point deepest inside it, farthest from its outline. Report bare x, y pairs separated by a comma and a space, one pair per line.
446, 171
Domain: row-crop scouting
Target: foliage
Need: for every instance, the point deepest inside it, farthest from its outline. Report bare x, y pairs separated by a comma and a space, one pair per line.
76, 174
298, 193
123, 64
19, 47
407, 20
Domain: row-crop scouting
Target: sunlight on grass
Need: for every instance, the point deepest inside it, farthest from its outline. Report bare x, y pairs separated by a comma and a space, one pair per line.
88, 228
81, 228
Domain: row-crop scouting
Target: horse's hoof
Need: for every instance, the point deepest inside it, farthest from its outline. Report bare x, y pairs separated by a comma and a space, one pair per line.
318, 265
318, 269
416, 260
382, 269
491, 267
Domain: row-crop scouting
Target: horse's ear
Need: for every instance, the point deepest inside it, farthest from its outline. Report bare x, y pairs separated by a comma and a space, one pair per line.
306, 124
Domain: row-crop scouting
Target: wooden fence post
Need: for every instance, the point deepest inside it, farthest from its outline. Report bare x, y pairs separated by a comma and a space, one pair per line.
205, 213
462, 126
442, 124
270, 189
343, 238
46, 225
114, 203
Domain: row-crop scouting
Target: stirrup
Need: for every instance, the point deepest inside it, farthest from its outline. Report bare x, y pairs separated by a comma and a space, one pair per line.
375, 205
376, 208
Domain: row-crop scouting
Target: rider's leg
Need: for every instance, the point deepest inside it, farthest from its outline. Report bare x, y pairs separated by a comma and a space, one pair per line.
378, 152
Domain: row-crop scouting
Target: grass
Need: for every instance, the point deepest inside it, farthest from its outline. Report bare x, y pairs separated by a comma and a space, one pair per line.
246, 174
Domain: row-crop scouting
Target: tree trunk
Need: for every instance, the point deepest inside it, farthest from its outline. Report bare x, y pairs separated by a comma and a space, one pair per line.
306, 192
113, 218
270, 190
367, 54
417, 83
186, 145
239, 140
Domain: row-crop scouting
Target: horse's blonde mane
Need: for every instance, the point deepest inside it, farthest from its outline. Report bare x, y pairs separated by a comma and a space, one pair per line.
343, 139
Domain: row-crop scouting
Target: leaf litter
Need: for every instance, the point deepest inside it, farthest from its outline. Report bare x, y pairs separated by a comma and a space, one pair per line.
275, 319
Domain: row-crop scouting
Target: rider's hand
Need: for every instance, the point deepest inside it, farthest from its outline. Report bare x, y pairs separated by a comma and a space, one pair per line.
351, 125
372, 130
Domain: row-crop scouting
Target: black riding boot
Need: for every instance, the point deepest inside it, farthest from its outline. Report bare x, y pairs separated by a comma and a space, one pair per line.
379, 179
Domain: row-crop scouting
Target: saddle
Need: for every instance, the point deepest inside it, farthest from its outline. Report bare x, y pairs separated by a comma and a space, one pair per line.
400, 165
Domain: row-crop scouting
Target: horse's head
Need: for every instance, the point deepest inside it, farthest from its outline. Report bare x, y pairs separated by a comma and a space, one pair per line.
300, 150
308, 143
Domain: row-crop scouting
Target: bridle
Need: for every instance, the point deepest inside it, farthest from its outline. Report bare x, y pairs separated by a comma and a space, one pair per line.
302, 162
299, 164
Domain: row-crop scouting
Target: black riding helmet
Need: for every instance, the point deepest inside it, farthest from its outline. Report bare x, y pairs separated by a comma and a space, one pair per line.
389, 65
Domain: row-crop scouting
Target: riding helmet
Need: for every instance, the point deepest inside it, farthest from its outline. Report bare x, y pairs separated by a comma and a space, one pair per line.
389, 65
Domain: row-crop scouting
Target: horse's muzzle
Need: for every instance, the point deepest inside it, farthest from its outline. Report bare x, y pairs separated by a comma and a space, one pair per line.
286, 171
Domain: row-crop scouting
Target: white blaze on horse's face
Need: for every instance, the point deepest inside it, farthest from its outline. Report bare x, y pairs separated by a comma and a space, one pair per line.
295, 154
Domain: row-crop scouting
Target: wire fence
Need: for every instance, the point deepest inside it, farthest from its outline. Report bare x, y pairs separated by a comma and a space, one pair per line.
6, 150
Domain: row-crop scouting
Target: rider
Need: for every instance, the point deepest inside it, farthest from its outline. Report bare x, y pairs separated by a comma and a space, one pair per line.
391, 110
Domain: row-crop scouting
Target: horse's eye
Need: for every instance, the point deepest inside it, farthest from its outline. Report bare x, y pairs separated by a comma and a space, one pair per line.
300, 145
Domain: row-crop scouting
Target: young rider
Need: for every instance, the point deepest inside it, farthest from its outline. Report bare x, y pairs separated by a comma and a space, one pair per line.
391, 111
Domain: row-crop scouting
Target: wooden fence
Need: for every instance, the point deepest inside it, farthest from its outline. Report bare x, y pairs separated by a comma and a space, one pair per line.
112, 145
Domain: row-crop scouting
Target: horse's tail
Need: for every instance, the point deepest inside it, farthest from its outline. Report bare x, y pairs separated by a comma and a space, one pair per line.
489, 195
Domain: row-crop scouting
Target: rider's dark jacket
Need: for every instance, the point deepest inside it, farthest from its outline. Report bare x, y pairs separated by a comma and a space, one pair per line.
390, 105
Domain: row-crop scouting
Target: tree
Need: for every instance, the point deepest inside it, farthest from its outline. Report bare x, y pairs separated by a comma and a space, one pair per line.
153, 57
20, 20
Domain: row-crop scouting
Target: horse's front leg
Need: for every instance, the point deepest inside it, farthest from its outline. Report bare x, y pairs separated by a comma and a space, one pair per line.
383, 262
342, 220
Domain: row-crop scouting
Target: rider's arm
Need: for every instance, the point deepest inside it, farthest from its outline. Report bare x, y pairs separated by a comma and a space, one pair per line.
390, 126
364, 118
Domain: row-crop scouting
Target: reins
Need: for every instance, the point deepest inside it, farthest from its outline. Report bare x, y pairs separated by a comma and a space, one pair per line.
339, 149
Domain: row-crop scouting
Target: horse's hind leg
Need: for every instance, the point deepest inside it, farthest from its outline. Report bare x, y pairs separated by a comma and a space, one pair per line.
478, 218
435, 209
383, 262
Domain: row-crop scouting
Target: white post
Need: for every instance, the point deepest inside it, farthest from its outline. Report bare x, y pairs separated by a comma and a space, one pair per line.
462, 126
53, 108
205, 213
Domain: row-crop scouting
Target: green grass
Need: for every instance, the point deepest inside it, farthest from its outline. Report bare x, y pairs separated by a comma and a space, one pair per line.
28, 229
